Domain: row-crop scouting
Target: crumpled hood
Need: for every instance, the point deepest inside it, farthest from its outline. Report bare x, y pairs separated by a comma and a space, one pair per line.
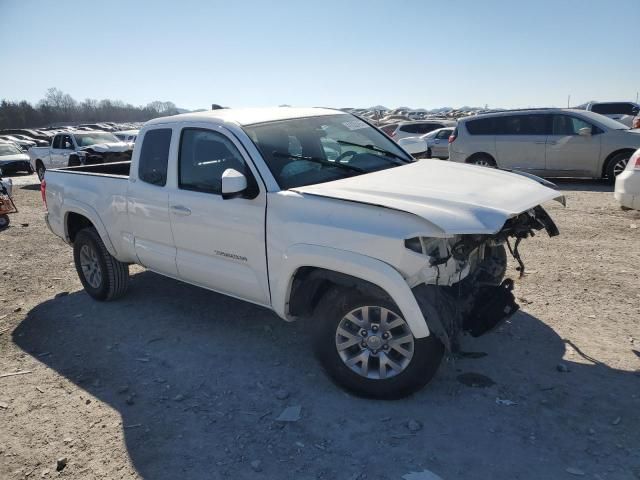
109, 147
16, 157
456, 198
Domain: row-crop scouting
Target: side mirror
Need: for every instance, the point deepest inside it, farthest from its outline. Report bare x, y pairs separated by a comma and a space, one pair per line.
234, 183
585, 131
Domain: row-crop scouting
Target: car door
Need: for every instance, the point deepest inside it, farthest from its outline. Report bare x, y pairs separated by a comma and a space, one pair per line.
568, 151
148, 203
56, 152
440, 144
219, 242
521, 140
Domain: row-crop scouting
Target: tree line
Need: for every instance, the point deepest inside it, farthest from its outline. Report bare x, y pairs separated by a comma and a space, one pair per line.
58, 108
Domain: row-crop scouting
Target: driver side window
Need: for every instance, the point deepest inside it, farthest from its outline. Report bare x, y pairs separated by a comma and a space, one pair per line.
204, 156
566, 125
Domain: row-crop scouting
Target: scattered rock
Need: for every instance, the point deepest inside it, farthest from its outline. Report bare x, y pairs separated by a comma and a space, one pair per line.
24, 224
424, 475
282, 394
67, 440
256, 465
17, 309
4, 406
562, 368
130, 400
61, 294
414, 425
476, 380
61, 463
290, 414
616, 421
87, 401
633, 225
575, 471
592, 431
123, 389
505, 402
178, 398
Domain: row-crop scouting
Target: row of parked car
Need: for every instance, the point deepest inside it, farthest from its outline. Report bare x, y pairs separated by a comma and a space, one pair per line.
32, 150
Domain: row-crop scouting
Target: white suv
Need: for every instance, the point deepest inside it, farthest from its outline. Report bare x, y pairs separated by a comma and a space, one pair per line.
547, 142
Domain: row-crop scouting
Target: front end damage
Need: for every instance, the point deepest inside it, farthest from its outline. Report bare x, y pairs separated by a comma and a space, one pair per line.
463, 288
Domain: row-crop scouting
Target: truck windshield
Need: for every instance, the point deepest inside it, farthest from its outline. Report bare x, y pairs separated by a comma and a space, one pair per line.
306, 151
93, 138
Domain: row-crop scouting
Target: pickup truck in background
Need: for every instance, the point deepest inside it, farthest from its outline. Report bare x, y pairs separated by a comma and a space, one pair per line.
69, 149
310, 213
623, 112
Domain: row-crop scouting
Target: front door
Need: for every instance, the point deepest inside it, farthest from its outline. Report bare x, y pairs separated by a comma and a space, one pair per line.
59, 155
148, 204
219, 242
440, 147
569, 152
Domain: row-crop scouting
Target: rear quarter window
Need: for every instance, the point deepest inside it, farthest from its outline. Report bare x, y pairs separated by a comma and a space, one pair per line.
481, 126
154, 156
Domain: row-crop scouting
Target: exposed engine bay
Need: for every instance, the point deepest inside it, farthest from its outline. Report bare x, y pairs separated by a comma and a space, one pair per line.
463, 289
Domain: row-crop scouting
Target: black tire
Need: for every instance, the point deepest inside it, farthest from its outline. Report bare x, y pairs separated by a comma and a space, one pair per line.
334, 305
114, 274
40, 169
482, 160
429, 154
4, 222
614, 165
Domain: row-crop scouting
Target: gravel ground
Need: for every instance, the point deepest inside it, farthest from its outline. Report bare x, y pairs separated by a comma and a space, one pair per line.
174, 381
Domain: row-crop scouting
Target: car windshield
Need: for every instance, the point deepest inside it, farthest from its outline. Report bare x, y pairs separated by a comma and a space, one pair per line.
7, 149
306, 151
92, 138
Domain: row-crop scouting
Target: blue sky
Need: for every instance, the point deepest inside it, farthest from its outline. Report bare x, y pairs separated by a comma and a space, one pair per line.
332, 53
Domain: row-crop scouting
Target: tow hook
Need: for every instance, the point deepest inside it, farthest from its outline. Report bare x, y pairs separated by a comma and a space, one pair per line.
493, 306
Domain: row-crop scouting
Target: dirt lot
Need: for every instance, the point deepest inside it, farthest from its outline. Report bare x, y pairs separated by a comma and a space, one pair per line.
177, 382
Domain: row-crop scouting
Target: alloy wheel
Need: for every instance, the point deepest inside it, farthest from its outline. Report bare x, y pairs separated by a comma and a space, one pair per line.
90, 266
374, 342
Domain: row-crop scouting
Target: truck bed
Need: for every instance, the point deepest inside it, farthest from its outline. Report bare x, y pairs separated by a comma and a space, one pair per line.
115, 169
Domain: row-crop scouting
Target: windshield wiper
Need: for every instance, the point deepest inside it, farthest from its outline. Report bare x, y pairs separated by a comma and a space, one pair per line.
321, 161
375, 149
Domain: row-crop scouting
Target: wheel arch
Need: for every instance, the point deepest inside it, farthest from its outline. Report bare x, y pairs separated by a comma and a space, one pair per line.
77, 217
611, 156
323, 267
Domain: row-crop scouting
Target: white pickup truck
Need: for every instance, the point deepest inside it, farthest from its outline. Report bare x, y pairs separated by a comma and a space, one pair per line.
308, 212
68, 149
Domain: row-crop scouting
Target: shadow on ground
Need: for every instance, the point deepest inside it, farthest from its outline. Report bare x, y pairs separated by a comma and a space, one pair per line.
582, 184
195, 377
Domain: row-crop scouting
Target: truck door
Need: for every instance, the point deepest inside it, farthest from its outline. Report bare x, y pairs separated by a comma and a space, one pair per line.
219, 243
148, 203
56, 152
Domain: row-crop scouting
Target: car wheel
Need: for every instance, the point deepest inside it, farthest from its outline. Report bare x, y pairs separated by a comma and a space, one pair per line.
366, 346
40, 170
429, 153
483, 161
102, 276
616, 165
4, 222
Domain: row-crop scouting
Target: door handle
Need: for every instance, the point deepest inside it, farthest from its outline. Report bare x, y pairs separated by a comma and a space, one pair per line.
180, 210
540, 143
552, 143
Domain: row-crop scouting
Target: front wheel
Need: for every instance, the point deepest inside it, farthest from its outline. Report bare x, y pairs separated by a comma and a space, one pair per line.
102, 276
366, 346
4, 222
40, 170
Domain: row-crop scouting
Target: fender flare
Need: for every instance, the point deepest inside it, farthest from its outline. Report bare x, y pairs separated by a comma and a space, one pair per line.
360, 266
87, 211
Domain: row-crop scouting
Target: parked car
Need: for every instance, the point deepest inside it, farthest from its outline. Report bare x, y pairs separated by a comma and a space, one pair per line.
78, 148
547, 142
636, 122
7, 206
246, 202
413, 129
623, 112
13, 159
627, 189
126, 136
30, 133
23, 144
432, 145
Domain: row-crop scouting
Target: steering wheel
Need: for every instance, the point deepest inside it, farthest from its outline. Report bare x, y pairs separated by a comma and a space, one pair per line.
348, 153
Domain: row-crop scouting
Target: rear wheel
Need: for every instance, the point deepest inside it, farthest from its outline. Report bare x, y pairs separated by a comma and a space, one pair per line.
616, 165
102, 276
483, 160
366, 346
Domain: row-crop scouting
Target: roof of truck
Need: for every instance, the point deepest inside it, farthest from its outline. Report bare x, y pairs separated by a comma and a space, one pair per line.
249, 116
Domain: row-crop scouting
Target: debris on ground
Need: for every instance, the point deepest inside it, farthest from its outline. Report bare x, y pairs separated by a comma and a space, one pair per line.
616, 421
414, 425
256, 465
290, 414
575, 471
424, 475
61, 463
504, 401
282, 394
562, 368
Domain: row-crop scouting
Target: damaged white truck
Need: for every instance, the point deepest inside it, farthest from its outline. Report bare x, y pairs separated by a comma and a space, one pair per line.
311, 213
